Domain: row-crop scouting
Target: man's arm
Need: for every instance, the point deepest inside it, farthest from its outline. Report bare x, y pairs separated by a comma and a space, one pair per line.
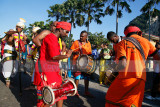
59, 57
24, 37
3, 39
122, 63
11, 32
37, 40
63, 47
121, 56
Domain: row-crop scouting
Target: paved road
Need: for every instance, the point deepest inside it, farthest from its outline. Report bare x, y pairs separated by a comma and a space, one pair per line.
11, 98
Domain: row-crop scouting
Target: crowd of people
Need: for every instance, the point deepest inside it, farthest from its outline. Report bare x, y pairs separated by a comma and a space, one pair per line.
47, 61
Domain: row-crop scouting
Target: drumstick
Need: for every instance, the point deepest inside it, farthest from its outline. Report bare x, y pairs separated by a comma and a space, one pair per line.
72, 50
77, 48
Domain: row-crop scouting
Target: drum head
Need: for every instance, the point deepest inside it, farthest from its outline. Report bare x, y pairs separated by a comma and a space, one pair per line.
83, 61
48, 95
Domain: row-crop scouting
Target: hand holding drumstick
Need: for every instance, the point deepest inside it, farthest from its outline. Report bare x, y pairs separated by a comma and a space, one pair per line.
76, 52
68, 54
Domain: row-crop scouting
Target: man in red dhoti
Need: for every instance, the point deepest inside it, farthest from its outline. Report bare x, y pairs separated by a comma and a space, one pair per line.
49, 61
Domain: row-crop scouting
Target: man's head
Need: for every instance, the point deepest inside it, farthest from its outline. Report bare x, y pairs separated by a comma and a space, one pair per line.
53, 26
20, 25
83, 36
132, 29
157, 45
112, 37
19, 28
27, 41
36, 31
106, 45
64, 28
9, 37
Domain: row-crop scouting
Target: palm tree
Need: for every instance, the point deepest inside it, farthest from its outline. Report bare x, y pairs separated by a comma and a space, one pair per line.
93, 9
116, 4
151, 4
40, 24
72, 14
56, 11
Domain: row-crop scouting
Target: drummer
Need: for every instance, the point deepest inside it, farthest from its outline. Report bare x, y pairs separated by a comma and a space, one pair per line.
49, 61
81, 46
115, 39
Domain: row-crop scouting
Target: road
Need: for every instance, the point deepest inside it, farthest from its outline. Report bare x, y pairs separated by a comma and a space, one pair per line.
11, 97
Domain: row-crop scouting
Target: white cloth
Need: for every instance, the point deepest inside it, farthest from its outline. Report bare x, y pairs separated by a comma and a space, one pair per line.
7, 47
20, 24
10, 68
99, 51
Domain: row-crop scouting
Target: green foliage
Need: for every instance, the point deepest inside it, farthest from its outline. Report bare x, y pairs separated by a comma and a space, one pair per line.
97, 38
93, 10
68, 40
0, 40
56, 11
151, 6
41, 24
122, 4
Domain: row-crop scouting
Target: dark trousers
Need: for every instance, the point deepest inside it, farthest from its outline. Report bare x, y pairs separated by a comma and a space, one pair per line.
156, 81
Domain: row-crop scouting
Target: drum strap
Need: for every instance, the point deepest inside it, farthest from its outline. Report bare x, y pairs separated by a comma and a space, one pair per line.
137, 45
80, 45
8, 58
39, 66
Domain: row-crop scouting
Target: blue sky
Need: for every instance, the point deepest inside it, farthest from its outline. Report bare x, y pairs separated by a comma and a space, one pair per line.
36, 10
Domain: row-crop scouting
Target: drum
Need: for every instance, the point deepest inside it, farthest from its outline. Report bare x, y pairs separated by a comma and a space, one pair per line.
110, 76
86, 64
51, 96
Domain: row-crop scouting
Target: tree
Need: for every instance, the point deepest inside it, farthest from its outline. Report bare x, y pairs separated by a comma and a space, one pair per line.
40, 24
97, 38
151, 5
67, 40
116, 4
93, 9
56, 11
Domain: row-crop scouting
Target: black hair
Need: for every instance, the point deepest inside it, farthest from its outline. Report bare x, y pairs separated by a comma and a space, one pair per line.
110, 35
84, 32
157, 43
27, 41
39, 31
7, 37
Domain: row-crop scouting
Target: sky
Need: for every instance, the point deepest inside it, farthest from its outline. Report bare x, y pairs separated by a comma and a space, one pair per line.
36, 10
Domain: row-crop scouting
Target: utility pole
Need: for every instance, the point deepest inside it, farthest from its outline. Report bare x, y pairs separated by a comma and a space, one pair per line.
149, 32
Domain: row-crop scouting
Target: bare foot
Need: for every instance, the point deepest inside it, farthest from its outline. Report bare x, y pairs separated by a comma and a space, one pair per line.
8, 84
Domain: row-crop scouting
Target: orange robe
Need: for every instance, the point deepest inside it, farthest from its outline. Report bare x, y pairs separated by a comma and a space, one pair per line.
128, 88
86, 49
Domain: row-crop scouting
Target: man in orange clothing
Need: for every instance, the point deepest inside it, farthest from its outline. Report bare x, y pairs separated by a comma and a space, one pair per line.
115, 39
127, 90
81, 46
